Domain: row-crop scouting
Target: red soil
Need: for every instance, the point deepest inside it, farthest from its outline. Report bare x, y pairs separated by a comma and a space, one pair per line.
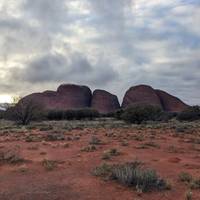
72, 178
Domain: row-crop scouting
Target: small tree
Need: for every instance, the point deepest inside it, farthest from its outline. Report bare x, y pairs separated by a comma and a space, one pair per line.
25, 111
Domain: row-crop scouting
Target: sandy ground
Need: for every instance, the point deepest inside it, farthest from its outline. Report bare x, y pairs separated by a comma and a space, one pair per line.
164, 150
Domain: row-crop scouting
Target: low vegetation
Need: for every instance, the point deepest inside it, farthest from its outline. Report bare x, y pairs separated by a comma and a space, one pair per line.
193, 183
132, 175
185, 177
2, 114
54, 136
11, 156
49, 165
190, 114
110, 153
72, 114
141, 113
89, 148
24, 112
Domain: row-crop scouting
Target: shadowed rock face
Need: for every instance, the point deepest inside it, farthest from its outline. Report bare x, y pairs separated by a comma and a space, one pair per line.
104, 102
67, 96
170, 103
141, 94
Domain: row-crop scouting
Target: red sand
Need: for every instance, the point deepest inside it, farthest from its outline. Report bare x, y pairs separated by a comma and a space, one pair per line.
72, 179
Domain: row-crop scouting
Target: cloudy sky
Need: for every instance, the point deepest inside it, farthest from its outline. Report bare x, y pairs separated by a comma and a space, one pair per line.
107, 44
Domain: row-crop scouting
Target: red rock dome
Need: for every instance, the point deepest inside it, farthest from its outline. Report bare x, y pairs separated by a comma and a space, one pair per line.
104, 102
141, 94
171, 103
67, 96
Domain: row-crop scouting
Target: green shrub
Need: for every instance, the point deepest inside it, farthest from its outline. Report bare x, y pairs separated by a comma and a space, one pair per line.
190, 114
55, 115
166, 116
72, 114
104, 170
143, 179
132, 174
2, 114
141, 113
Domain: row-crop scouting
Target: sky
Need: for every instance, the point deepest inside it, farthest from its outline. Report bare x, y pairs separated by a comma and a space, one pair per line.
105, 44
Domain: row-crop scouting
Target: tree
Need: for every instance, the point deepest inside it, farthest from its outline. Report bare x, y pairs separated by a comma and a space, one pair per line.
25, 111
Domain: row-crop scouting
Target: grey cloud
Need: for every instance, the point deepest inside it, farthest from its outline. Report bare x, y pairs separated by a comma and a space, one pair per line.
113, 44
60, 68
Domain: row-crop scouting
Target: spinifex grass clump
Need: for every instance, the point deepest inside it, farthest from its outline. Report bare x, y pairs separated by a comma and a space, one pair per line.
11, 156
132, 174
193, 183
49, 164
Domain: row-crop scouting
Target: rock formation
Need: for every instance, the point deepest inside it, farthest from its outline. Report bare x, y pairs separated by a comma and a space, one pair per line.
70, 96
67, 96
141, 94
170, 103
104, 102
144, 94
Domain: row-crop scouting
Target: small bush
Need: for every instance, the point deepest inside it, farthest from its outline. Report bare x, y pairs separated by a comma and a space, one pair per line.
141, 113
49, 165
11, 156
109, 153
143, 179
185, 177
89, 148
190, 114
195, 184
166, 116
104, 170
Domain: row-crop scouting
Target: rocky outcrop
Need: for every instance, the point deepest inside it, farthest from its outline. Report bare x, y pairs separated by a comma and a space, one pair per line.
68, 96
104, 102
144, 94
71, 96
141, 94
170, 103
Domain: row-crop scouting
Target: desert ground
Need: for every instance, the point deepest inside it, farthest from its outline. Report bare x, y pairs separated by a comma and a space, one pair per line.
55, 160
